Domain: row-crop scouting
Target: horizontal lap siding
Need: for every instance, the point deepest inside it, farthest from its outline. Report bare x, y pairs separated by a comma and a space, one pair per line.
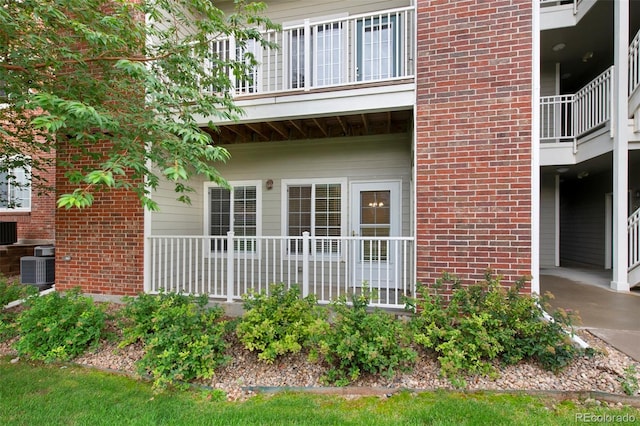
288, 11
473, 147
548, 220
356, 159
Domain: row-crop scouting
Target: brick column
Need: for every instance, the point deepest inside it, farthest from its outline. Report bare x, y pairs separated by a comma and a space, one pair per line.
473, 147
103, 243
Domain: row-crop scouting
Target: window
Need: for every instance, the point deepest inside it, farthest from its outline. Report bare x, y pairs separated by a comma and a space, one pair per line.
326, 58
377, 45
247, 55
15, 190
234, 210
317, 209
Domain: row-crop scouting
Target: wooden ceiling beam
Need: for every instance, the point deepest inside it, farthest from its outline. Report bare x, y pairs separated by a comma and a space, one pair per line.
344, 127
280, 128
365, 123
257, 130
321, 127
298, 126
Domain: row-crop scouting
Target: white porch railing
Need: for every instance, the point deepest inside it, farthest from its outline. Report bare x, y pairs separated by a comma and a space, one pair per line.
356, 49
567, 117
633, 232
328, 267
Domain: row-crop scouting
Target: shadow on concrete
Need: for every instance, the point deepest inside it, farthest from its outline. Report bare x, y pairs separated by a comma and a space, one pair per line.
612, 316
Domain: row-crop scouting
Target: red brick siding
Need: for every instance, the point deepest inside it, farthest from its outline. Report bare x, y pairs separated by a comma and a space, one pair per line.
39, 223
105, 241
473, 147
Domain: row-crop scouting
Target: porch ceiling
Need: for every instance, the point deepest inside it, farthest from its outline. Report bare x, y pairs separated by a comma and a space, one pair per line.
374, 123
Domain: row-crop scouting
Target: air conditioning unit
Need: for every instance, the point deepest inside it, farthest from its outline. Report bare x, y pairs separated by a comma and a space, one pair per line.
44, 251
38, 271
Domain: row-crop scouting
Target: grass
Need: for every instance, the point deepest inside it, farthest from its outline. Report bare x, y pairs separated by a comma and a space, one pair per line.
35, 393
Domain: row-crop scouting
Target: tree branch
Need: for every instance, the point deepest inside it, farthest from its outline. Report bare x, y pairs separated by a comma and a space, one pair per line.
94, 59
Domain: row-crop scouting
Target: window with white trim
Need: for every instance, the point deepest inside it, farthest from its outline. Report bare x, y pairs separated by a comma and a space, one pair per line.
317, 209
234, 210
15, 190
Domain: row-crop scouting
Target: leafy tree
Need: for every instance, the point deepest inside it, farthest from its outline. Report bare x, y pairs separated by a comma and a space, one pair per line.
120, 82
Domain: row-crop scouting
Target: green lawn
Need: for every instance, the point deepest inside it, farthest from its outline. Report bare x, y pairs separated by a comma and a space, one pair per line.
38, 394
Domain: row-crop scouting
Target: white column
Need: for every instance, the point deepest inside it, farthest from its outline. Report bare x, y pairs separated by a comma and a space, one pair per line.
535, 151
619, 123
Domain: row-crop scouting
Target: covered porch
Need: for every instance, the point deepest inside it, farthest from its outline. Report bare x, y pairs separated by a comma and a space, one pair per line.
332, 215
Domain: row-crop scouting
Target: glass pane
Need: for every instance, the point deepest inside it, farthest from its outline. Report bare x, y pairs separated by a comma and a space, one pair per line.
219, 211
376, 58
297, 58
375, 208
4, 191
328, 54
374, 250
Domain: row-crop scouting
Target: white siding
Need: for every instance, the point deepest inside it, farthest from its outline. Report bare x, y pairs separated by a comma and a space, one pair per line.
354, 159
548, 210
295, 10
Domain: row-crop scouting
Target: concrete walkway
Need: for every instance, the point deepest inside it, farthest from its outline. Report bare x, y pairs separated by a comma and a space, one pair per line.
612, 316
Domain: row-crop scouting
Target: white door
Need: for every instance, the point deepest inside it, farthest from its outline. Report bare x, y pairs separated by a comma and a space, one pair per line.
375, 216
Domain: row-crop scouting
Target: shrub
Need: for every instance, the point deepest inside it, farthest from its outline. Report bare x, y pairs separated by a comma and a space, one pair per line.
487, 322
56, 327
183, 339
279, 322
10, 291
362, 341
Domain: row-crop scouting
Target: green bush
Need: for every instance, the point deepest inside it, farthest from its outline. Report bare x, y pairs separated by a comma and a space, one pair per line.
10, 291
56, 327
362, 341
278, 322
486, 322
183, 339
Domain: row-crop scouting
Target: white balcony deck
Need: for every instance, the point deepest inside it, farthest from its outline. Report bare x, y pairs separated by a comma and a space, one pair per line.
576, 127
360, 62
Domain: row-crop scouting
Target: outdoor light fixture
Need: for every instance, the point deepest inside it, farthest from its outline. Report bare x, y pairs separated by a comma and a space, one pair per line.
587, 56
269, 184
562, 169
558, 47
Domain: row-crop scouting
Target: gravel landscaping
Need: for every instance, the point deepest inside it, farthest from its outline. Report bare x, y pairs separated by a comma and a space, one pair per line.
602, 372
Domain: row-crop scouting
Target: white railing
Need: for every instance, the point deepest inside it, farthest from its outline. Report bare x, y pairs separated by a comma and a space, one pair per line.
633, 232
592, 104
567, 117
328, 267
634, 64
556, 117
549, 3
356, 49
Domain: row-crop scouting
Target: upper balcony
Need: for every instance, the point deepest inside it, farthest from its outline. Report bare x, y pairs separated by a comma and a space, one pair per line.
347, 65
563, 13
576, 127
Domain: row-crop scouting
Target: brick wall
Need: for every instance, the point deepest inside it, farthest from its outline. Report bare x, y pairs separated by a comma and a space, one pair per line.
473, 147
39, 223
104, 243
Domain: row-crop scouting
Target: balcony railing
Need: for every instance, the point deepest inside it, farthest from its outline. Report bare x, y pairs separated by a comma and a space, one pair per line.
565, 118
228, 267
357, 49
633, 234
634, 64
